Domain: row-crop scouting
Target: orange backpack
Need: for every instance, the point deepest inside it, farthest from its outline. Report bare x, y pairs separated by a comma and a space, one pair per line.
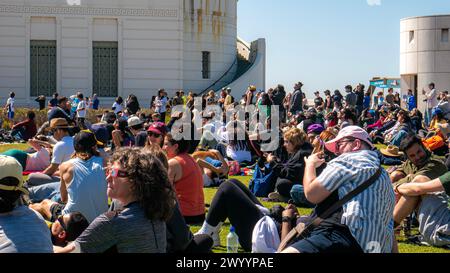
434, 143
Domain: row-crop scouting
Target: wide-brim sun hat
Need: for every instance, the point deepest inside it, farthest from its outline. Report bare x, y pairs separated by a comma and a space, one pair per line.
59, 123
392, 151
349, 132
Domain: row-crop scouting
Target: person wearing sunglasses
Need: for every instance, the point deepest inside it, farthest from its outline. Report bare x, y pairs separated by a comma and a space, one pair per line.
139, 181
67, 228
156, 133
363, 225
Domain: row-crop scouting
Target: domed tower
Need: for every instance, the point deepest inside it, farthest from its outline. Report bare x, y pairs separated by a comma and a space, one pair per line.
425, 54
209, 52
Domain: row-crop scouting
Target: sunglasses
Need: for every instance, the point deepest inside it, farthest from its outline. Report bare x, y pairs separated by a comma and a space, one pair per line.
116, 173
61, 222
152, 134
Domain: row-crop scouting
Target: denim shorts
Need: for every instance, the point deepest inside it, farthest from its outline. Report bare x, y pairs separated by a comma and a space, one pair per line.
328, 239
299, 198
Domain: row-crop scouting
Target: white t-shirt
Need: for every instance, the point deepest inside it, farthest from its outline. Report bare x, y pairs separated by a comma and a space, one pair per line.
10, 101
82, 113
38, 161
161, 104
118, 107
239, 155
63, 150
432, 97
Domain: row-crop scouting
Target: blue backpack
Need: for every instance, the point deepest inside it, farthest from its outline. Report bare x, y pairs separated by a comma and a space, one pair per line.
260, 184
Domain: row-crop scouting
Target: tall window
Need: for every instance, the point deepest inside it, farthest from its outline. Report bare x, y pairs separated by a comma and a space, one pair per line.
444, 36
206, 64
105, 69
43, 68
411, 36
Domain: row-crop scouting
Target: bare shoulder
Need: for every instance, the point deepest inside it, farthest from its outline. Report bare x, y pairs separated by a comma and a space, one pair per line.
66, 167
174, 163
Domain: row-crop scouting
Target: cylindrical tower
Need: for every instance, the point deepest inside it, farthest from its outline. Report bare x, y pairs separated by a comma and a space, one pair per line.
210, 31
425, 54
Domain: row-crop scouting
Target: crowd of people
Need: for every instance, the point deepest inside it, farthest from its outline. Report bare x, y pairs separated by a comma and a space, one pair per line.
131, 182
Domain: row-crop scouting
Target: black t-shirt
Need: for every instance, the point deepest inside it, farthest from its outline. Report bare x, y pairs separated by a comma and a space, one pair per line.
318, 101
335, 218
41, 101
360, 98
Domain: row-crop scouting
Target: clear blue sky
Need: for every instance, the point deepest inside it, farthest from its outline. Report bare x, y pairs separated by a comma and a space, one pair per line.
327, 44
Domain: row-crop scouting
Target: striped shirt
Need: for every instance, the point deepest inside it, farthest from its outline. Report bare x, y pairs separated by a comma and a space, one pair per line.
369, 215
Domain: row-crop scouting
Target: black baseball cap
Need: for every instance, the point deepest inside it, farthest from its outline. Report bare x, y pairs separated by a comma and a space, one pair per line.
85, 139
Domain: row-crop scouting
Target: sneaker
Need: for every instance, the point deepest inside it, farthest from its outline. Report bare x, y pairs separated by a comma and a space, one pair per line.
276, 197
215, 234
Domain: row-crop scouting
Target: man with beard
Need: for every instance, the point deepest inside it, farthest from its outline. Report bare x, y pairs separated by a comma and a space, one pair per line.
428, 200
420, 163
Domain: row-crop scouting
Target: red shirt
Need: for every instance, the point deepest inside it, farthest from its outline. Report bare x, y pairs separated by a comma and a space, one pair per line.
189, 188
30, 128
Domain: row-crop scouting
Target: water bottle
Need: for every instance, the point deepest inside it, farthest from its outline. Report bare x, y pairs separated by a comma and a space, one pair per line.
232, 241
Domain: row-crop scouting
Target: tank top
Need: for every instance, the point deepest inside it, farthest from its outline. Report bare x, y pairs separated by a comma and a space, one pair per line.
87, 190
189, 188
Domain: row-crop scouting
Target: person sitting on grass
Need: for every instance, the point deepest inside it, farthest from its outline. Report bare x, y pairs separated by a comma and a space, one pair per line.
136, 127
298, 191
62, 152
82, 187
27, 129
289, 173
404, 129
235, 147
156, 133
179, 237
215, 167
121, 136
139, 182
186, 177
234, 201
364, 224
420, 163
22, 230
37, 161
430, 200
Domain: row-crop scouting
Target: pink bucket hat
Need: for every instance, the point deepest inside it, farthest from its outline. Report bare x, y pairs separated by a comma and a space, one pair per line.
350, 131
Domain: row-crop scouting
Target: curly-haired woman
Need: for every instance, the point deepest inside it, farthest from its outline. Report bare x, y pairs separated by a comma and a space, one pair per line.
139, 181
289, 173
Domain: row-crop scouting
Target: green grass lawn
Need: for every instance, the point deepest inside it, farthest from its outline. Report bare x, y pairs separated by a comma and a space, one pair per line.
209, 195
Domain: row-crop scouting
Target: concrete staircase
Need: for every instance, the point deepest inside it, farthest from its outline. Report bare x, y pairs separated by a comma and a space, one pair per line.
248, 69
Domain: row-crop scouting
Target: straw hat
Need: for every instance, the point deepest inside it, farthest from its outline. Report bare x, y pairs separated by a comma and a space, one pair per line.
59, 123
391, 151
